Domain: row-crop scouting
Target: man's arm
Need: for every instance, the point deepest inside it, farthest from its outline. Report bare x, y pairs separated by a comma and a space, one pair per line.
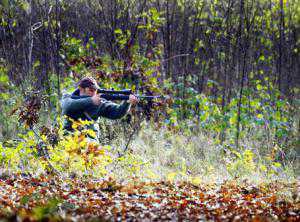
75, 105
112, 110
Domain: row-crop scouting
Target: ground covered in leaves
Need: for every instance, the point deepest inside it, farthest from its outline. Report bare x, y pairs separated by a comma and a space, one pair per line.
29, 198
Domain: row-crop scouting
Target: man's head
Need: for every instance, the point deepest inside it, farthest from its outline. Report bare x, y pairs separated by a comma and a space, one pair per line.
88, 86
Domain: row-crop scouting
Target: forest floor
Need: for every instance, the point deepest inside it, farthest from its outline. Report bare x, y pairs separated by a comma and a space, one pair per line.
53, 198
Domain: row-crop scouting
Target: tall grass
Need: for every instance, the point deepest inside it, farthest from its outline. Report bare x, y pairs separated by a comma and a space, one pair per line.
162, 154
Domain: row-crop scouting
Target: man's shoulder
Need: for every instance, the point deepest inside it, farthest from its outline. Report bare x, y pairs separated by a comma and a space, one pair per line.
66, 95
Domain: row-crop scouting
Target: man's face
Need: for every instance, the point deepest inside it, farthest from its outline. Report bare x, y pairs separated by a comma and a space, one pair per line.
88, 91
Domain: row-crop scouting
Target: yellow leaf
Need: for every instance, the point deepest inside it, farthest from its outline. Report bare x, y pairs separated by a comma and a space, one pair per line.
83, 143
150, 174
276, 164
44, 138
91, 133
30, 134
74, 125
263, 168
259, 116
196, 180
171, 176
233, 119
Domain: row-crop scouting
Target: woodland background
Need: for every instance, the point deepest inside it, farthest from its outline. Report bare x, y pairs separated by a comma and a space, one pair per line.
230, 67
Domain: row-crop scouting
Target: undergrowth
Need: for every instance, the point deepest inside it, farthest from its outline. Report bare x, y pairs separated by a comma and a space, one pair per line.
152, 154
162, 154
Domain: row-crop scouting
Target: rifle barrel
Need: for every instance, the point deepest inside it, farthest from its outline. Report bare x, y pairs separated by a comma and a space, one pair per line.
148, 97
126, 97
108, 91
114, 97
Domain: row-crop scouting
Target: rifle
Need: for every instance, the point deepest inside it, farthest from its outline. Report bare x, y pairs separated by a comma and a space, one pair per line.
123, 95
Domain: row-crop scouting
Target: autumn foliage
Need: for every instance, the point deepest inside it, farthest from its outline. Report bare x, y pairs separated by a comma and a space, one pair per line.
55, 199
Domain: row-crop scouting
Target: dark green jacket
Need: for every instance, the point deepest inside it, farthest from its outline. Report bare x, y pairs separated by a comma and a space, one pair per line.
82, 107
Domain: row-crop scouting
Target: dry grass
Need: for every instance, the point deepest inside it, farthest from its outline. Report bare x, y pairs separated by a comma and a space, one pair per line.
161, 154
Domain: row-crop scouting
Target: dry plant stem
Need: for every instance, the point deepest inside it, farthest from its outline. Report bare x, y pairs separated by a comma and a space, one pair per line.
136, 129
46, 157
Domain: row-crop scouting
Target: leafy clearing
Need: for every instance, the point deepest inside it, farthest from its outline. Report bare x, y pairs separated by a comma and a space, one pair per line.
27, 197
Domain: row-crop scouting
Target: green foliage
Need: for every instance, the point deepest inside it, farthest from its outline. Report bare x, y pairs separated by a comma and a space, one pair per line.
47, 210
74, 48
154, 20
260, 107
8, 102
122, 37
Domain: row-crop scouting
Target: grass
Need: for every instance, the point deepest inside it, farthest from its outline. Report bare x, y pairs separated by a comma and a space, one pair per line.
161, 154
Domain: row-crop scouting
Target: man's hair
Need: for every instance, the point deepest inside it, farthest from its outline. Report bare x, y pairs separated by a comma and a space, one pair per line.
88, 82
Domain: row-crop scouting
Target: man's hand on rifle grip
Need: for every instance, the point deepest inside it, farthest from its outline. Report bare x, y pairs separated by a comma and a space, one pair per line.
133, 99
96, 99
